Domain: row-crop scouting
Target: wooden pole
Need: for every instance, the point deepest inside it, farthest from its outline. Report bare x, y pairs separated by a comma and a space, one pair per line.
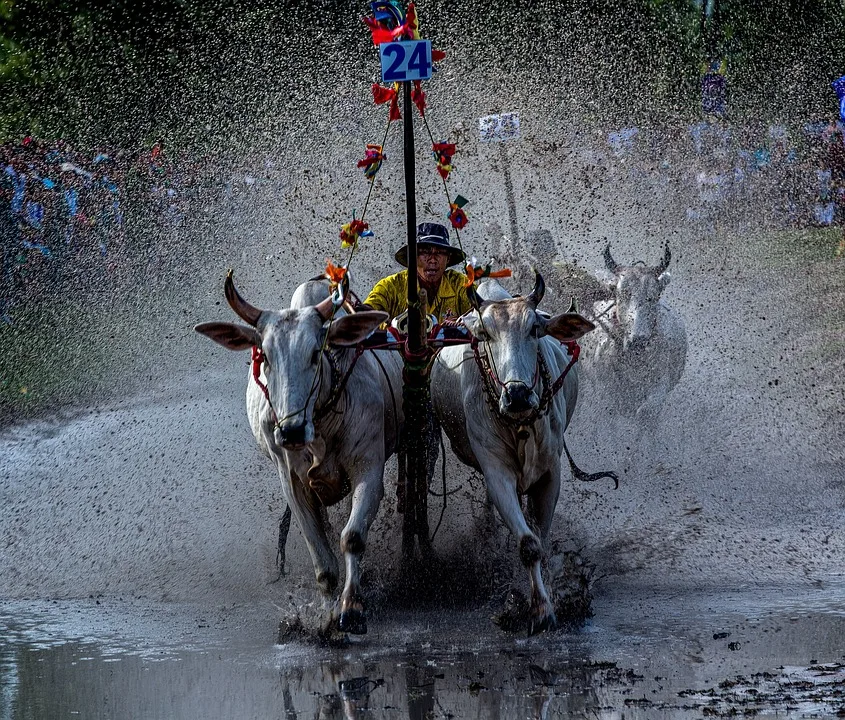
415, 395
415, 336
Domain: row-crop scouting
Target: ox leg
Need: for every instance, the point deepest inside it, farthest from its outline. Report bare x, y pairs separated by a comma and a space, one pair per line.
502, 491
366, 497
306, 510
542, 501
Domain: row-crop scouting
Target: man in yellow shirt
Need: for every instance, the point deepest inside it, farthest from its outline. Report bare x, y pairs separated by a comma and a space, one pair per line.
446, 289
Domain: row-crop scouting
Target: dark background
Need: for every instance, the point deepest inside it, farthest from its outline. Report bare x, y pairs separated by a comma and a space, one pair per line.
126, 72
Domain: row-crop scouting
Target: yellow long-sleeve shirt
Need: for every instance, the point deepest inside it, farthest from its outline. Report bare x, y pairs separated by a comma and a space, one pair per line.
391, 296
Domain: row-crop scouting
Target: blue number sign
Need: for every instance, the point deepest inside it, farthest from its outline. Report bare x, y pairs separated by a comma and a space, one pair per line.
409, 60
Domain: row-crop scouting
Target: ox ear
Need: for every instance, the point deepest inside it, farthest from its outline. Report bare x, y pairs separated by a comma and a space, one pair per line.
567, 327
352, 329
230, 335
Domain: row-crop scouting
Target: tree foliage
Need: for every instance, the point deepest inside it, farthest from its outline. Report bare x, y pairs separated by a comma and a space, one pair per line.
124, 71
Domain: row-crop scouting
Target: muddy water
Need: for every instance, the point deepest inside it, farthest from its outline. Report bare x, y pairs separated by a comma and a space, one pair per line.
768, 652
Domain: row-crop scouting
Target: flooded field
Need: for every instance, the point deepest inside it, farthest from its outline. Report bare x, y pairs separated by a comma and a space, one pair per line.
139, 521
146, 528
770, 652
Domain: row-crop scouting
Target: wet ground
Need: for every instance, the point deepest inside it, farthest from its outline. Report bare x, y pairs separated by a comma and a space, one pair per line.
146, 528
767, 652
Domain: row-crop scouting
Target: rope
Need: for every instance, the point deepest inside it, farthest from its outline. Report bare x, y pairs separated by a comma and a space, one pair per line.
367, 200
443, 180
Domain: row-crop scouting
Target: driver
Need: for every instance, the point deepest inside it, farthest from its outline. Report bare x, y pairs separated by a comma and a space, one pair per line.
445, 288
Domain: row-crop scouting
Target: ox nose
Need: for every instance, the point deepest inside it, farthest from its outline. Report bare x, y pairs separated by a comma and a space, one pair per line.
293, 434
517, 398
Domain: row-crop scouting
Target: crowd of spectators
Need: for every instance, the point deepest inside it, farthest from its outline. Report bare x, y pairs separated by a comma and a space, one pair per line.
61, 212
722, 176
97, 218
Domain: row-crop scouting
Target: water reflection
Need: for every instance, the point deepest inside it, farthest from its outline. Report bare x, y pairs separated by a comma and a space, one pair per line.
466, 686
80, 679
669, 661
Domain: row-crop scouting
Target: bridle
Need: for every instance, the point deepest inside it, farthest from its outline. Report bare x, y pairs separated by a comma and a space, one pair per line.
339, 380
491, 383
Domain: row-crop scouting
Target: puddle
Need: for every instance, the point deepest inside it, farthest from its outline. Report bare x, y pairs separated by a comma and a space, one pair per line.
763, 652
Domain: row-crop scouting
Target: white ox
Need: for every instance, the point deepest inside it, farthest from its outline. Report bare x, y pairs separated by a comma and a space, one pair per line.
638, 352
502, 422
326, 439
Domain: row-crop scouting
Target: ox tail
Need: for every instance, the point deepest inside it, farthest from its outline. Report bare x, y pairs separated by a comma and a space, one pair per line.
579, 474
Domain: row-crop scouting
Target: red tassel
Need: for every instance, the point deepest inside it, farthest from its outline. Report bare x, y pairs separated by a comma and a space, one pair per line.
418, 96
412, 23
382, 95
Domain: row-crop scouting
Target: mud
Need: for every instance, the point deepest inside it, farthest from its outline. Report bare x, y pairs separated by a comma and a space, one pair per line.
158, 507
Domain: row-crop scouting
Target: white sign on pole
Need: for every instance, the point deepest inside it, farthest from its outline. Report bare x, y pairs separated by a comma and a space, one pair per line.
406, 60
498, 128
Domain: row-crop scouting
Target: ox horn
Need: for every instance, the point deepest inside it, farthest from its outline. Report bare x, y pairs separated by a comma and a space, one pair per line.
535, 297
664, 263
324, 307
611, 264
242, 308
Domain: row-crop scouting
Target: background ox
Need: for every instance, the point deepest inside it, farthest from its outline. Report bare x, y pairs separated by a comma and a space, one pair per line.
638, 352
325, 440
493, 421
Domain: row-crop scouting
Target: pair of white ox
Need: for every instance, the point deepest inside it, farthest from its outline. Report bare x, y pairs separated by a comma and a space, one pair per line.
329, 430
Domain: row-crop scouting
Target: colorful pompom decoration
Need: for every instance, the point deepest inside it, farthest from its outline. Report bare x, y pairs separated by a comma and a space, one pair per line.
443, 153
372, 161
457, 216
476, 271
383, 95
350, 233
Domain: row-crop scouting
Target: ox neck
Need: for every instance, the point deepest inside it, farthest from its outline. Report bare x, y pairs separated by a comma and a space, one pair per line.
335, 370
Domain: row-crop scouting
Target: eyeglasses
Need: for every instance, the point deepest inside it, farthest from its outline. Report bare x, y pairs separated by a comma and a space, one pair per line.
432, 252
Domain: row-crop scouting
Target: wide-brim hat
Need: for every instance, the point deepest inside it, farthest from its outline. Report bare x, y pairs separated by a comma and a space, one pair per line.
432, 234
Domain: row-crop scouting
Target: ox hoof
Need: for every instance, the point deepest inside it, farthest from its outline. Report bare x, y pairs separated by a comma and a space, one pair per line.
542, 620
353, 622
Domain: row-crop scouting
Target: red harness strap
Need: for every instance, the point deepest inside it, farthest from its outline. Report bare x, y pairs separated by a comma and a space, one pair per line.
574, 350
257, 361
